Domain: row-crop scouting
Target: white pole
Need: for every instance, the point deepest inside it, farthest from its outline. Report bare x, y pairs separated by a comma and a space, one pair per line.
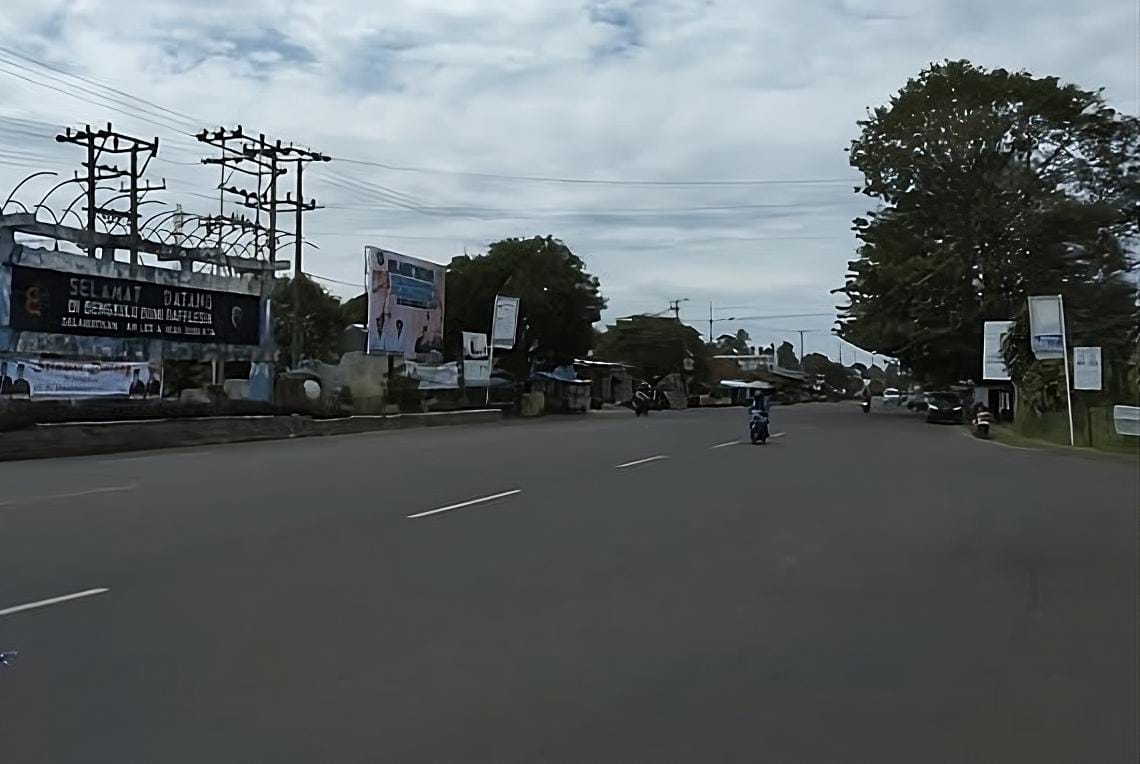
1065, 360
491, 350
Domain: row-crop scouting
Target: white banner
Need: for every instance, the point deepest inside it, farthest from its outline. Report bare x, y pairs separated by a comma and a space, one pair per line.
43, 378
1046, 327
1086, 369
444, 376
993, 365
476, 358
405, 305
506, 321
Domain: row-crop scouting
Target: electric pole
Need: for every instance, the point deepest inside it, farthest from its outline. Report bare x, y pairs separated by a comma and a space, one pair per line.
675, 306
267, 157
109, 141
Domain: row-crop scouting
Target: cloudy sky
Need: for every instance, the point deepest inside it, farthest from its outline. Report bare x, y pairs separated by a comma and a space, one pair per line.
718, 126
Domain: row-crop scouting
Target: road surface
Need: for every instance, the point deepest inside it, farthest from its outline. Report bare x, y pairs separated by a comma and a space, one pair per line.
600, 589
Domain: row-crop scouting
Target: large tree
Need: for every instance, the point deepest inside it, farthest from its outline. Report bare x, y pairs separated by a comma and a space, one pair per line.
559, 302
320, 316
656, 345
991, 186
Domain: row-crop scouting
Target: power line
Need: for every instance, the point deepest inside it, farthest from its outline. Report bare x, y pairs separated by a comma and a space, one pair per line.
358, 285
599, 181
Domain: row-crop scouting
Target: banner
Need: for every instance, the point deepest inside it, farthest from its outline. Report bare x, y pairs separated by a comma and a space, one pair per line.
476, 359
506, 319
1087, 373
60, 302
405, 305
993, 334
37, 378
1046, 327
444, 376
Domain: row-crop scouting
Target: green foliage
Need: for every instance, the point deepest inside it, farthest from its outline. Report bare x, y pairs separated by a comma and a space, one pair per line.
835, 375
786, 356
733, 344
993, 185
656, 345
355, 310
320, 313
559, 300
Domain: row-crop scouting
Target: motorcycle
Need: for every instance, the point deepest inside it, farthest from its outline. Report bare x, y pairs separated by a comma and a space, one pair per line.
982, 421
866, 406
758, 427
642, 403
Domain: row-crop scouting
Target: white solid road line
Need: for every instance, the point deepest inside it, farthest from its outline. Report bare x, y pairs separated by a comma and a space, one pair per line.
726, 445
52, 601
57, 496
778, 435
640, 461
463, 504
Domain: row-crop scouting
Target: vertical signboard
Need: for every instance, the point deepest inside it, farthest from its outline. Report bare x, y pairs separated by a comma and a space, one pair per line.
476, 358
1046, 327
405, 305
505, 322
1087, 374
993, 364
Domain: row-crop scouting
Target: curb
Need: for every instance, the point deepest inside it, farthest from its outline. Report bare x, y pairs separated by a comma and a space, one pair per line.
87, 438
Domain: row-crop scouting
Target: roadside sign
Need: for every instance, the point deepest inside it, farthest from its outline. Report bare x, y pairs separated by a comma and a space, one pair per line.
505, 322
1046, 327
993, 364
1086, 369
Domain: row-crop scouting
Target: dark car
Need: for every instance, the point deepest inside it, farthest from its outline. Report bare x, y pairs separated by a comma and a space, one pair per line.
943, 407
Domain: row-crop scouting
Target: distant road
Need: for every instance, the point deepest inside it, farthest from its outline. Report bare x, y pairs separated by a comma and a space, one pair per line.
600, 589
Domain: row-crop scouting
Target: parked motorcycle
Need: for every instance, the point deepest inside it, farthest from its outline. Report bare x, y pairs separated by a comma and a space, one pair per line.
983, 419
642, 403
758, 427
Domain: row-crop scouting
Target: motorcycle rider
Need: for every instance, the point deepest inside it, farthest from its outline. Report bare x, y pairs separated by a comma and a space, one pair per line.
642, 396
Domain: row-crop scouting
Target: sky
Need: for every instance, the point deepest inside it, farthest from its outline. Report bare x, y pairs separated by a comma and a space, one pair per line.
717, 127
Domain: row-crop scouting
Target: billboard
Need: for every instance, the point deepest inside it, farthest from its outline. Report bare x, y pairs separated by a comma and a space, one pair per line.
59, 302
993, 365
1046, 327
52, 378
405, 305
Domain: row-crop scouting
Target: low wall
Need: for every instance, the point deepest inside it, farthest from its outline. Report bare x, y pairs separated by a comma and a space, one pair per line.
84, 438
1092, 427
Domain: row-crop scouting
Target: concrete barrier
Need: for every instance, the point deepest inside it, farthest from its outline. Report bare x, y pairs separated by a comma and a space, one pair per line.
84, 438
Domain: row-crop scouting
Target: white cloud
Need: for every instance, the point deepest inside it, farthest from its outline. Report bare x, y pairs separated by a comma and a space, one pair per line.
588, 88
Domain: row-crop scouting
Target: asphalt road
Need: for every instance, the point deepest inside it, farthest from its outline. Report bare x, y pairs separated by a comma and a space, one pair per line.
861, 589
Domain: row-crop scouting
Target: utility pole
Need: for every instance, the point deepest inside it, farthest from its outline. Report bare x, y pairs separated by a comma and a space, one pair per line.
267, 158
711, 340
675, 306
109, 141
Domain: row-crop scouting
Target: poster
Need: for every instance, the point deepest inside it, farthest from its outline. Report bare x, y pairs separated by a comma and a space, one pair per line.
444, 376
59, 302
405, 305
505, 322
41, 378
1046, 327
1086, 369
993, 365
476, 359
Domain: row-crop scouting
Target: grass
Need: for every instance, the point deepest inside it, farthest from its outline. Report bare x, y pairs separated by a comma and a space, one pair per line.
1008, 436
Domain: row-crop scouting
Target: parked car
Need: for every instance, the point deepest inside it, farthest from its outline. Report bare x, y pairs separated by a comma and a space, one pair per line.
892, 396
943, 407
917, 402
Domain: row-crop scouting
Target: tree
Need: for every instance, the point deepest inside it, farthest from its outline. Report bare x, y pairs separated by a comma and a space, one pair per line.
656, 345
835, 375
321, 316
786, 356
355, 310
559, 301
733, 344
993, 186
